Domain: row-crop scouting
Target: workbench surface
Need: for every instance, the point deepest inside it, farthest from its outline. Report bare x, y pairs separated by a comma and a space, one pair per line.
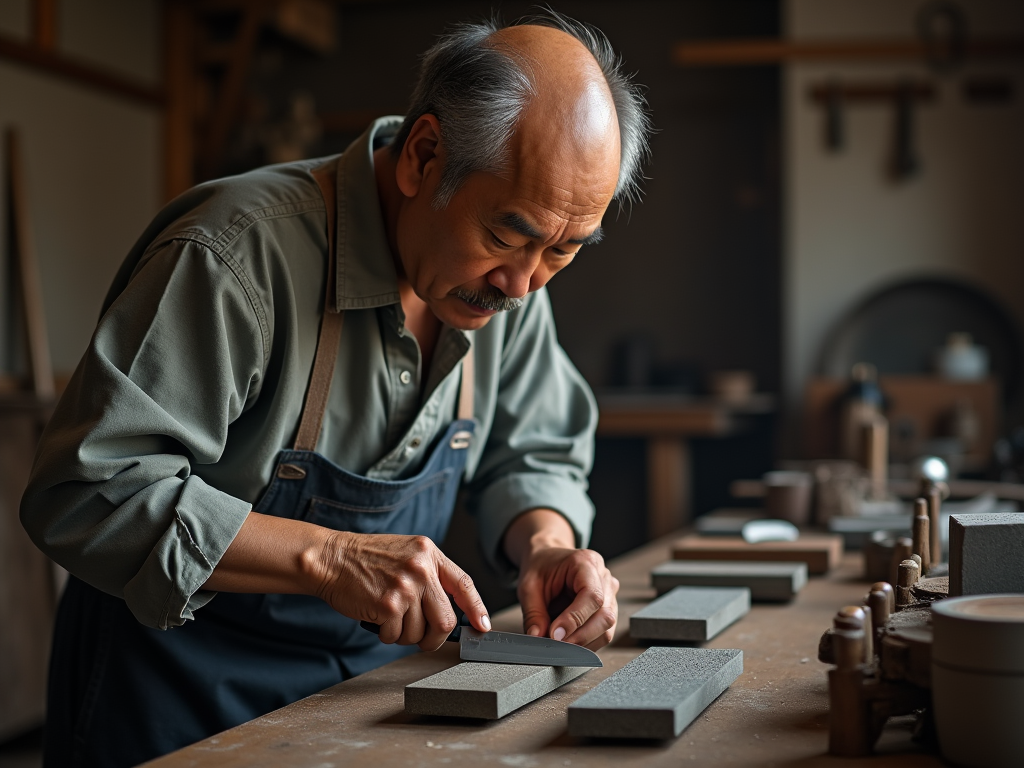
775, 714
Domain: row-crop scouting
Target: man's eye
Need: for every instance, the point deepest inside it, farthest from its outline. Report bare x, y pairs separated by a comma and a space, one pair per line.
562, 253
499, 242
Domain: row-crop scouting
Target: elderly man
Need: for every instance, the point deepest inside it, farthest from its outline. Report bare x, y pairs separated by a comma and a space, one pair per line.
295, 370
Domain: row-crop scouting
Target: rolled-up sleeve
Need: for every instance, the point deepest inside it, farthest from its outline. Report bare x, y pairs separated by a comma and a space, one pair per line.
540, 444
113, 497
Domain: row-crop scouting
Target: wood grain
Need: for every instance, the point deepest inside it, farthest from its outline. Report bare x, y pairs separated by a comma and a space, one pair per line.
821, 552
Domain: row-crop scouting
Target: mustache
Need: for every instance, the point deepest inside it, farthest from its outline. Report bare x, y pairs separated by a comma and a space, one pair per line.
491, 299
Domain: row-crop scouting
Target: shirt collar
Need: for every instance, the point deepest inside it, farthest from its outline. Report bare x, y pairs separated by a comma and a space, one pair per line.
365, 274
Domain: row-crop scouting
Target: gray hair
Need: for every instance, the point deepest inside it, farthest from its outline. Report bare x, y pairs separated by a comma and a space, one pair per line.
478, 90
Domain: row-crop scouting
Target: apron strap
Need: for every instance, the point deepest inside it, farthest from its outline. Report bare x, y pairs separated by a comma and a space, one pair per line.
465, 410
319, 389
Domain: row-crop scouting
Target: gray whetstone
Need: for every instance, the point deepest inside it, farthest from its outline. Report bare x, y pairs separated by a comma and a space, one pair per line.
986, 554
488, 691
690, 613
656, 695
766, 581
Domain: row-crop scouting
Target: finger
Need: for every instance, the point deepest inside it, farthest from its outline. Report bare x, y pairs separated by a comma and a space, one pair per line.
600, 628
536, 621
457, 583
439, 616
414, 626
589, 600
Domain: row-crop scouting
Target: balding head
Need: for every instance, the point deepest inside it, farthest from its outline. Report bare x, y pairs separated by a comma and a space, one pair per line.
499, 92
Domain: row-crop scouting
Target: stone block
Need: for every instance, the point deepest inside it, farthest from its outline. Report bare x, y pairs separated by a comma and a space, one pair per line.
487, 691
690, 614
819, 551
770, 582
656, 695
986, 554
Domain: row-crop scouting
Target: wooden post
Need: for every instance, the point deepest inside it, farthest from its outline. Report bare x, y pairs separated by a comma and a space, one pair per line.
908, 578
876, 445
878, 602
44, 24
886, 589
668, 484
902, 551
934, 515
40, 365
847, 720
179, 114
922, 534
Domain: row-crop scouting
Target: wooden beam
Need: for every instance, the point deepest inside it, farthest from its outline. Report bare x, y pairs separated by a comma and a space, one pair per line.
179, 112
773, 51
44, 24
28, 273
83, 74
233, 87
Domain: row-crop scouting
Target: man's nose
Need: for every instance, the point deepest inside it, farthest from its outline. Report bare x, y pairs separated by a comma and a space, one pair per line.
518, 278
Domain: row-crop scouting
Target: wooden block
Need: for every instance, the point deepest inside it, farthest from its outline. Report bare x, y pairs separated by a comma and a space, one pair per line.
690, 614
819, 551
656, 695
986, 554
769, 582
487, 691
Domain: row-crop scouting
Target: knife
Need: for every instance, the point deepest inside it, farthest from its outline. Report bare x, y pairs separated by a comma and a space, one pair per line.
513, 648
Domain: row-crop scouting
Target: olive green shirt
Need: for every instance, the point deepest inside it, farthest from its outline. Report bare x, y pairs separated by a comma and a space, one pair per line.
195, 378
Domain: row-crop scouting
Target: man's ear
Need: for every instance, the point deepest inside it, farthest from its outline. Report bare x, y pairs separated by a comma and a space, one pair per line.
420, 159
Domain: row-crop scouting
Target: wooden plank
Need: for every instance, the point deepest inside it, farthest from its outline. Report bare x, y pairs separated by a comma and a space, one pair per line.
40, 365
777, 711
78, 72
775, 51
179, 115
821, 552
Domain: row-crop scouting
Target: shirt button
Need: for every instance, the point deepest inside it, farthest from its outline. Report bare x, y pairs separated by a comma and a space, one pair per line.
405, 377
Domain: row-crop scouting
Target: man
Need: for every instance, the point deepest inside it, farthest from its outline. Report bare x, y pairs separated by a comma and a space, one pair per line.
293, 372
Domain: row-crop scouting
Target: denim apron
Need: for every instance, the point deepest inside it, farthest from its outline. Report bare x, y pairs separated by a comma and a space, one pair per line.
121, 693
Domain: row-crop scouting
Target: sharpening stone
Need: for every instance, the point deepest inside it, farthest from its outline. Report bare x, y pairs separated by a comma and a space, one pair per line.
690, 613
766, 581
488, 691
819, 551
986, 554
656, 695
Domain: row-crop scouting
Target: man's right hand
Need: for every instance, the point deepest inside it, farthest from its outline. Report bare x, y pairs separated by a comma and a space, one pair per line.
401, 583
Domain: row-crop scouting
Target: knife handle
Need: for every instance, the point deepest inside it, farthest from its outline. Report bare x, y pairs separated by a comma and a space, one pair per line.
460, 617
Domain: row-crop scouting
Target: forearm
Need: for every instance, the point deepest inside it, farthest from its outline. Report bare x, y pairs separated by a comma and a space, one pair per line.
537, 529
274, 555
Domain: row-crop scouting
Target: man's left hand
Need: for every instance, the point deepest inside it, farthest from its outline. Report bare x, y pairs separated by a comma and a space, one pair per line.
549, 565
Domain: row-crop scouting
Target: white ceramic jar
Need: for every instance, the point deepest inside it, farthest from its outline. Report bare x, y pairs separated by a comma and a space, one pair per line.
978, 679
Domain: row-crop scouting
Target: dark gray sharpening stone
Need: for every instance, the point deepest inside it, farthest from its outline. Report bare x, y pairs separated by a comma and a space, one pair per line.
656, 695
488, 691
986, 554
690, 613
766, 581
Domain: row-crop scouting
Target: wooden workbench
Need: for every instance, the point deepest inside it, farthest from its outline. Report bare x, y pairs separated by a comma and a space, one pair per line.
775, 714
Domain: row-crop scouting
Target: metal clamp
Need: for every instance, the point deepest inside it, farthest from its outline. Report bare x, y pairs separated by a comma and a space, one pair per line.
460, 440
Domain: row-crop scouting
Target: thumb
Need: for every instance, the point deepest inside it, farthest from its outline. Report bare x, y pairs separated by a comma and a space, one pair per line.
535, 607
457, 583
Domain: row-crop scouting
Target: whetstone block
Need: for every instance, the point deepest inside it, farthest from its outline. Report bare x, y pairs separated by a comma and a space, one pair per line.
690, 613
656, 695
771, 582
819, 551
986, 554
487, 691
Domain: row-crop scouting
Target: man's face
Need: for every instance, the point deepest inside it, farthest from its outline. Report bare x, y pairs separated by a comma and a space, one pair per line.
500, 238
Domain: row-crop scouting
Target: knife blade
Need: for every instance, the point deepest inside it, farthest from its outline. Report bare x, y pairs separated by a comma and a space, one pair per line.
512, 648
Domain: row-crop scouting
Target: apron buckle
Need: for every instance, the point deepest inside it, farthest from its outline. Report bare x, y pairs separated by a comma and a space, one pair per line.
290, 472
460, 440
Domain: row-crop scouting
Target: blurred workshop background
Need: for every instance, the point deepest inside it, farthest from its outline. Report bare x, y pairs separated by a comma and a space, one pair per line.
826, 273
